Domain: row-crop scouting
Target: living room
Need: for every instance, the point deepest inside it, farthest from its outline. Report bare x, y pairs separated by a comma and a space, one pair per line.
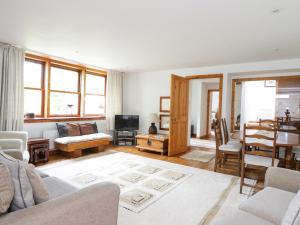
149, 113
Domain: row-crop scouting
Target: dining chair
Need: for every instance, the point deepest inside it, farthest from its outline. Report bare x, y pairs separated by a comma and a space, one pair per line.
224, 150
267, 122
258, 138
227, 138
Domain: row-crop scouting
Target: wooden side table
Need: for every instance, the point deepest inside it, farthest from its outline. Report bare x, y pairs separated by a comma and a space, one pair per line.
156, 143
38, 150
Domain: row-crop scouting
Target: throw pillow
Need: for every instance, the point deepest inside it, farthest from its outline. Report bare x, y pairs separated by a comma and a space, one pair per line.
23, 195
88, 128
62, 130
40, 192
73, 129
6, 189
293, 213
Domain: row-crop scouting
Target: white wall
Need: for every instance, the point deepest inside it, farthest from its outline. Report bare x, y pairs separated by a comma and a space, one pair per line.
195, 102
143, 89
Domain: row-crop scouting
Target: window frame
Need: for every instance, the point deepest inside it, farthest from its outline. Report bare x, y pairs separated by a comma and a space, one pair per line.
42, 87
78, 92
93, 73
82, 70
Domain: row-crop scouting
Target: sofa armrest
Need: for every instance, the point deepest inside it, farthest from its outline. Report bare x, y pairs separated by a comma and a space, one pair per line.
22, 135
15, 153
284, 179
11, 144
94, 205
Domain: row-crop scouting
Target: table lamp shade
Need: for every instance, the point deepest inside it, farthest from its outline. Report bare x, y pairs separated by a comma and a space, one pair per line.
153, 118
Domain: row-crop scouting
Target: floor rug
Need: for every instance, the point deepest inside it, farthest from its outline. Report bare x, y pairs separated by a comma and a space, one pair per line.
198, 155
203, 143
186, 203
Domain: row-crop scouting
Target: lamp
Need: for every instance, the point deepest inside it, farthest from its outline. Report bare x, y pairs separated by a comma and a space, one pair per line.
153, 118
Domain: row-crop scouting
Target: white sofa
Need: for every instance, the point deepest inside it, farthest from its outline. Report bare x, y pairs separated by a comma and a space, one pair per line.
14, 143
272, 204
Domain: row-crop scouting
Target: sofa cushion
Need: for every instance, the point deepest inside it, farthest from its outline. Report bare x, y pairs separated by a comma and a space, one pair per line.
40, 193
292, 215
6, 189
57, 187
73, 129
269, 204
90, 137
23, 195
88, 128
239, 217
68, 129
62, 131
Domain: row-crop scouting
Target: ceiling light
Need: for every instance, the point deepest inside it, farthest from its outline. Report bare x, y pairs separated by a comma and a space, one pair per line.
275, 11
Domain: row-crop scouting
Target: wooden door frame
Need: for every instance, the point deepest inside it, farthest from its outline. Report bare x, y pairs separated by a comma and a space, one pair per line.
209, 92
236, 80
209, 76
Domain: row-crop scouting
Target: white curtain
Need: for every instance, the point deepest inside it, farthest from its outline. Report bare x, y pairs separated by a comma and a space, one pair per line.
11, 88
114, 97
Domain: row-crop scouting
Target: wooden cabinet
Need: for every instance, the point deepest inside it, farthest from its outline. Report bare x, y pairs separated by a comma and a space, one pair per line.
156, 143
38, 149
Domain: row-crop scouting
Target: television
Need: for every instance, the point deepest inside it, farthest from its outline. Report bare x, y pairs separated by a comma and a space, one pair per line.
126, 122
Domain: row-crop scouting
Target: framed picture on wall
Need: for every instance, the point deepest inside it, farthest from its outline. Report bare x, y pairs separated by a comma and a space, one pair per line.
270, 83
164, 122
164, 105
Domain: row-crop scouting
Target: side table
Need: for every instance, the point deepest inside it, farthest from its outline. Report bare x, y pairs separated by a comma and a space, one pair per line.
38, 150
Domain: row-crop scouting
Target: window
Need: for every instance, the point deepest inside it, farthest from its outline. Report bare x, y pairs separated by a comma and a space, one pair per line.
64, 92
55, 90
94, 94
34, 87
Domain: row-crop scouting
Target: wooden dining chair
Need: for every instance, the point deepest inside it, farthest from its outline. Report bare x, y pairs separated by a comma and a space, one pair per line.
227, 138
224, 150
267, 123
258, 138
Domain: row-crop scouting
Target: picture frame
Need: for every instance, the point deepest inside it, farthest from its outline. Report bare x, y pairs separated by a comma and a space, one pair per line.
270, 83
164, 123
164, 105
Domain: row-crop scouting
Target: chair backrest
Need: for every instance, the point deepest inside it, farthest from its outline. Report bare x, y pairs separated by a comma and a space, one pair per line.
261, 139
267, 123
225, 130
218, 133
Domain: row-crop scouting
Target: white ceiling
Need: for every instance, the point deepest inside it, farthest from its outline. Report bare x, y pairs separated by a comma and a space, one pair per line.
139, 35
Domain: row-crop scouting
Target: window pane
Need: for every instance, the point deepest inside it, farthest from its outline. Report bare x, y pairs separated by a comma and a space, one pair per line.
95, 84
64, 80
94, 104
33, 74
63, 104
33, 101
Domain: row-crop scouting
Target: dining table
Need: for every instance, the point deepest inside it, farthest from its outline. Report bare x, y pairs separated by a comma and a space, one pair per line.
285, 140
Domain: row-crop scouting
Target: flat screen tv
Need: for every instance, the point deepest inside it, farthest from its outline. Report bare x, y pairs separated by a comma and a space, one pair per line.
126, 122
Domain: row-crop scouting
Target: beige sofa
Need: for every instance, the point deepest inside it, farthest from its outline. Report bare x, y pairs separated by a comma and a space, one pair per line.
94, 205
269, 206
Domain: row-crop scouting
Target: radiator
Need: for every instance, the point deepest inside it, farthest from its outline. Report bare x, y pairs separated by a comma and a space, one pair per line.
51, 135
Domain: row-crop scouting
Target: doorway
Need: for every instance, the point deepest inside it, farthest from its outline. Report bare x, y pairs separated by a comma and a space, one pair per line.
180, 120
212, 111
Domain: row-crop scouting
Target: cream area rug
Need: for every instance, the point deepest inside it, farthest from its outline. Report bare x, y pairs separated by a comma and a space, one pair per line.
199, 155
203, 143
154, 192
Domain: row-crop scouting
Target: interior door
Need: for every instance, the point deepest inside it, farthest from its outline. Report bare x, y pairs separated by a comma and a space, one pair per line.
178, 133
